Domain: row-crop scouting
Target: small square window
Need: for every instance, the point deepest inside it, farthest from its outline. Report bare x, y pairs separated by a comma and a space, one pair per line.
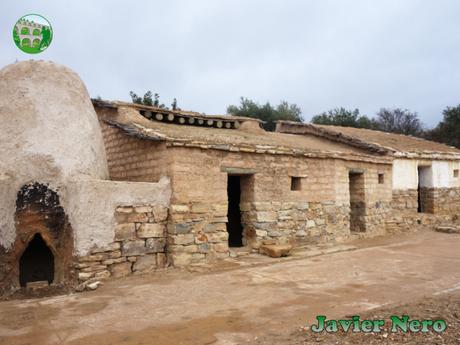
296, 183
381, 178
456, 173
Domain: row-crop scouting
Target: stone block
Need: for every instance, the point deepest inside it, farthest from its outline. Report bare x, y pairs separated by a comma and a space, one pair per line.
135, 247
218, 220
113, 261
160, 213
266, 216
102, 275
143, 209
181, 259
285, 215
182, 228
201, 208
94, 268
162, 260
275, 250
124, 209
136, 218
301, 233
320, 221
125, 232
155, 245
113, 254
180, 208
183, 239
192, 248
303, 206
287, 205
215, 227
148, 230
448, 229
93, 257
204, 248
121, 269
220, 247
146, 263
217, 237
311, 223
85, 275
261, 233
262, 206
201, 238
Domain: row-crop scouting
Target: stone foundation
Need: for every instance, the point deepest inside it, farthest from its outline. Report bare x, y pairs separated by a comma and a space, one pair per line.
441, 200
139, 246
197, 232
294, 222
405, 200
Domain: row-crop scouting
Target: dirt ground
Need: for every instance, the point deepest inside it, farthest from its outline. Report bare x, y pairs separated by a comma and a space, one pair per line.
445, 306
257, 301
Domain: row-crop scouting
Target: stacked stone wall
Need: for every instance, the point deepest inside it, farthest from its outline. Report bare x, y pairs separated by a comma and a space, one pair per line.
271, 211
139, 246
294, 222
440, 205
442, 200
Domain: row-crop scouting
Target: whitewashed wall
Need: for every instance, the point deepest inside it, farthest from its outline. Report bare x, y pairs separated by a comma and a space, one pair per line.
437, 174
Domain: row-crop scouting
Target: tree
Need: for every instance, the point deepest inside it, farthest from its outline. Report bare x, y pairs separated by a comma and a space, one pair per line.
400, 121
148, 99
448, 130
266, 112
135, 98
174, 104
343, 117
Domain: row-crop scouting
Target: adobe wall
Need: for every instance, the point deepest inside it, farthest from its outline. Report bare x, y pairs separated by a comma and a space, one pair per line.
131, 159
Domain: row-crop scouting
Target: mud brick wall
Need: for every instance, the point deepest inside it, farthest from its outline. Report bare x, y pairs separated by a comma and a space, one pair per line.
139, 246
131, 159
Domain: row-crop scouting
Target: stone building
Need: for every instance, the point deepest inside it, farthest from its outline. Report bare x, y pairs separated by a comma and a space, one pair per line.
92, 190
234, 184
425, 174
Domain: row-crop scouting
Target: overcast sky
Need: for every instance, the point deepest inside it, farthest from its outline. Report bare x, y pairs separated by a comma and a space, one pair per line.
319, 54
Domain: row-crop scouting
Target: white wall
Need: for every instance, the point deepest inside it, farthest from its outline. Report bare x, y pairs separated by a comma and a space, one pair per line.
405, 174
438, 174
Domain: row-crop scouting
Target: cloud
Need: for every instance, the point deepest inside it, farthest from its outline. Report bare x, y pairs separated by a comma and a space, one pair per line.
207, 53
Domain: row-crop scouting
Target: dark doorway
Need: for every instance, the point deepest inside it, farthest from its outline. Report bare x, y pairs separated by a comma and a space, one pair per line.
424, 179
234, 227
419, 195
36, 263
357, 202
